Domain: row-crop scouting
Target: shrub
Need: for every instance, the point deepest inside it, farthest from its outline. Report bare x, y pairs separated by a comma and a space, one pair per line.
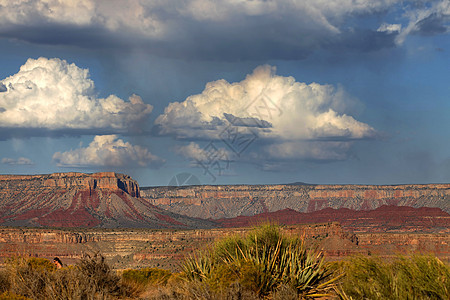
91, 278
29, 277
261, 262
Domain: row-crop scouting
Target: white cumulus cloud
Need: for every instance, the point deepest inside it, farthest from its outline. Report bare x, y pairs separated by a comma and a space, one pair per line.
284, 108
107, 151
274, 108
19, 161
55, 95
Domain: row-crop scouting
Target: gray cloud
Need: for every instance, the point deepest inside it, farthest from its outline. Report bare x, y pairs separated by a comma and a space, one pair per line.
19, 161
218, 30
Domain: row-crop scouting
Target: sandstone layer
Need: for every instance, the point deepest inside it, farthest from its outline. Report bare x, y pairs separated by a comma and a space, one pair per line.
103, 199
235, 200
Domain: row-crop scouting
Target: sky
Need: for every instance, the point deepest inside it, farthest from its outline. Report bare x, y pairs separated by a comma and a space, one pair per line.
227, 92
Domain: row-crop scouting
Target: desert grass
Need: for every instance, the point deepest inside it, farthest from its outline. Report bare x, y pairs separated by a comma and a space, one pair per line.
415, 277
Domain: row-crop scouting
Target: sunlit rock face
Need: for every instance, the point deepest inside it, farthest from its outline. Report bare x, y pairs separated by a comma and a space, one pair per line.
103, 199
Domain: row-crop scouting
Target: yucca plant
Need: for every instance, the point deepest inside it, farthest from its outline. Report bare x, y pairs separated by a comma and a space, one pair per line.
198, 266
261, 262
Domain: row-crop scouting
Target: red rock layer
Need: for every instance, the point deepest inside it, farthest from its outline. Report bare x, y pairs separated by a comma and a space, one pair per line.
384, 218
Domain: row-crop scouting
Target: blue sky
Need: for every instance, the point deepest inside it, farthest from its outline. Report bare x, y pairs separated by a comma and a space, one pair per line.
229, 91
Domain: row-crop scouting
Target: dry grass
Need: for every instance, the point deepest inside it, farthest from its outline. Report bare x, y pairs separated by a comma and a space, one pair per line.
416, 277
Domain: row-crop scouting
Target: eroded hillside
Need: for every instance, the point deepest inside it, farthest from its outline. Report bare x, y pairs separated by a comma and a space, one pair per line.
103, 199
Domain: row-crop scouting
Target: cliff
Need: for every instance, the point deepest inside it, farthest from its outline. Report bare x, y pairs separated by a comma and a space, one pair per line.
234, 200
104, 180
103, 199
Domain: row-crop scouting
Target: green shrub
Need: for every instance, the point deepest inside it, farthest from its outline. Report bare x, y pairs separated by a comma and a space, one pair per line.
261, 262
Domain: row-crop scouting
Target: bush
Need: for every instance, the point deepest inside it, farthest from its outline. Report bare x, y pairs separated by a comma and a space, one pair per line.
417, 277
29, 277
261, 262
91, 278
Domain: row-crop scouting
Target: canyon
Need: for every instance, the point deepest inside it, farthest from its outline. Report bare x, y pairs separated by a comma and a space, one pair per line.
70, 214
231, 201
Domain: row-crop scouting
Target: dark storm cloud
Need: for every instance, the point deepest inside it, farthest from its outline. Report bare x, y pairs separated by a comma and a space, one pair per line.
363, 41
434, 24
226, 31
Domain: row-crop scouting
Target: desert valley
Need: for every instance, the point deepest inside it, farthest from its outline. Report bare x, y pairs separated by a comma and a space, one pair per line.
70, 214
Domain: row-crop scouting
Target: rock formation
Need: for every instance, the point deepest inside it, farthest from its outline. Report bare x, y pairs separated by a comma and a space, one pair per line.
234, 200
138, 248
82, 200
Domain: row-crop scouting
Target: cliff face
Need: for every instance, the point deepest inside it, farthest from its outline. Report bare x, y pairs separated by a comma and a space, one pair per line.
81, 200
235, 200
104, 180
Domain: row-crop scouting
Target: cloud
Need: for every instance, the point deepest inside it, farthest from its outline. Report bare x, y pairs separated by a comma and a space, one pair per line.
19, 161
295, 119
52, 94
208, 29
210, 152
107, 151
431, 19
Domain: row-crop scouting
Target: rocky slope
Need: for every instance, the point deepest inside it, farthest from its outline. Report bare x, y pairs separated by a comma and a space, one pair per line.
234, 200
382, 219
82, 200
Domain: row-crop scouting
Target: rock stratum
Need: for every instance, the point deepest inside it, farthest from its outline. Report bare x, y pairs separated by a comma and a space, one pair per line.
231, 201
139, 248
104, 199
386, 218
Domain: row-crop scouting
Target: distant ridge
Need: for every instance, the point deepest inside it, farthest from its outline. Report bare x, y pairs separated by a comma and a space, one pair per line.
300, 183
228, 201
